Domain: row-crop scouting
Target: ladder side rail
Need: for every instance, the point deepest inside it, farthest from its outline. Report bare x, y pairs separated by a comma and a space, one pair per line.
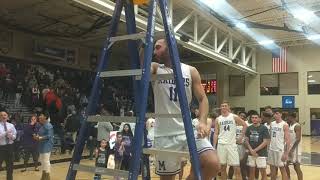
145, 159
135, 63
95, 92
144, 85
133, 49
174, 55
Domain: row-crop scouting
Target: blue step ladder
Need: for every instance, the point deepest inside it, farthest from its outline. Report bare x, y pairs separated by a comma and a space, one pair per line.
141, 78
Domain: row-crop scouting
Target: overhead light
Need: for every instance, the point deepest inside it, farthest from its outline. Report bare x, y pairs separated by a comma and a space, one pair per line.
241, 25
208, 2
304, 15
266, 42
310, 76
313, 37
311, 81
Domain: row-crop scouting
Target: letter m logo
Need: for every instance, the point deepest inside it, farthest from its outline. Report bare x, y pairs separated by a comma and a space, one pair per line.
162, 166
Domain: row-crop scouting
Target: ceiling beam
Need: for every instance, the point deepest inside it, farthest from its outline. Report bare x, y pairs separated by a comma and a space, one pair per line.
107, 7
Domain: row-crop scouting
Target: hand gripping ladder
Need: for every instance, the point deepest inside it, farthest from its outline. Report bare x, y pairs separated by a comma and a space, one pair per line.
140, 87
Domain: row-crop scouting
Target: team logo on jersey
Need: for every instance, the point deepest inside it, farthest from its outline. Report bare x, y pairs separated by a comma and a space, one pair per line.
172, 81
162, 166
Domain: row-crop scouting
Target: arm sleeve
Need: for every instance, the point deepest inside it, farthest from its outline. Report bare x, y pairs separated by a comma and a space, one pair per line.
2, 133
14, 133
49, 134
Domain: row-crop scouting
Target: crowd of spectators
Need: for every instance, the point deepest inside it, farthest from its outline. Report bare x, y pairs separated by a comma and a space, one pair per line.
64, 93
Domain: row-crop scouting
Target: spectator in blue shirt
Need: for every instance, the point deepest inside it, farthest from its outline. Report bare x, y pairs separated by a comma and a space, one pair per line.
45, 138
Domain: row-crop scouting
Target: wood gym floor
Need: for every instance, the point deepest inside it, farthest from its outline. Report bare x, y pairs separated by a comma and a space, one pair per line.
310, 167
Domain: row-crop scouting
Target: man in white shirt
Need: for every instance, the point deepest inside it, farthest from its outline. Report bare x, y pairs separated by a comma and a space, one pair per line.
7, 135
225, 140
294, 156
279, 145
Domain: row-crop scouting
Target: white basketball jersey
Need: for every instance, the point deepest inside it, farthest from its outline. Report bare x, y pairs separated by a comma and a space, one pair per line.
268, 126
293, 138
227, 129
166, 101
277, 142
239, 129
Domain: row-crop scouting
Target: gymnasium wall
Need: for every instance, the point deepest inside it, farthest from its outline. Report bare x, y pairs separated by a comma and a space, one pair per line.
20, 47
301, 59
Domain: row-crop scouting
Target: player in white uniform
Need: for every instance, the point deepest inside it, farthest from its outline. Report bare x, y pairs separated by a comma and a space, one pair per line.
169, 132
241, 149
279, 146
266, 119
225, 140
295, 148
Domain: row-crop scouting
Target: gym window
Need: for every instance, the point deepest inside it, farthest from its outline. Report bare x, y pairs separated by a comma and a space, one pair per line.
313, 82
279, 84
236, 86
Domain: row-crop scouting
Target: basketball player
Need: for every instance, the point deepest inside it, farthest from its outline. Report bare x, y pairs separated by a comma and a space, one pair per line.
279, 145
169, 132
295, 149
243, 156
267, 119
225, 137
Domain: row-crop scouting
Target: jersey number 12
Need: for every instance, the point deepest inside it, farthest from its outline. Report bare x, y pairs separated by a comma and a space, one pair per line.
173, 94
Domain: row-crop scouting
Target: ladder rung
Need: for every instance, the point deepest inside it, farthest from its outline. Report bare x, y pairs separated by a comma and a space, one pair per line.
128, 37
116, 119
135, 72
154, 115
158, 77
120, 73
153, 151
99, 170
135, 36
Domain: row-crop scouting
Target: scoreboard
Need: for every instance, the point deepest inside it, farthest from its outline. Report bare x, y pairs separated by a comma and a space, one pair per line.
209, 86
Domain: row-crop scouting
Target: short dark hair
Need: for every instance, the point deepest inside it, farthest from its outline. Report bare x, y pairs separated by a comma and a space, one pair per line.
277, 110
213, 115
250, 112
119, 133
266, 114
45, 114
254, 113
242, 112
292, 114
268, 107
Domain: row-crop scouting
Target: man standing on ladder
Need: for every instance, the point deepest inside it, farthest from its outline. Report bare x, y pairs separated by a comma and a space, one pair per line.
170, 132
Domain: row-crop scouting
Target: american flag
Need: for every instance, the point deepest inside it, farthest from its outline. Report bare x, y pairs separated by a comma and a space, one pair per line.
279, 60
